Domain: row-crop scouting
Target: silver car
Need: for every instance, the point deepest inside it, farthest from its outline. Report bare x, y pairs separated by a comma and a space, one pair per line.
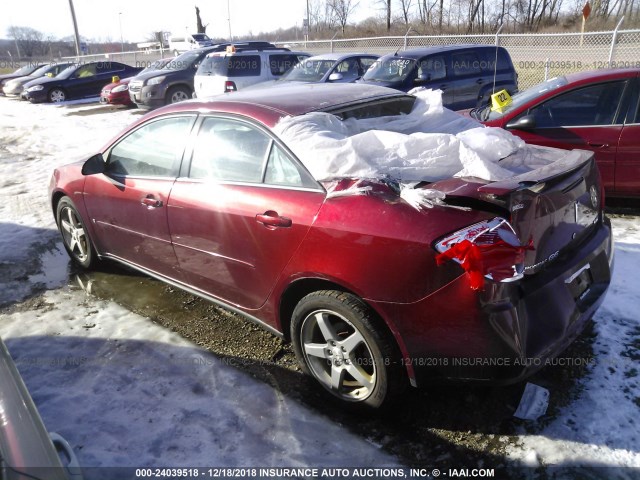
26, 449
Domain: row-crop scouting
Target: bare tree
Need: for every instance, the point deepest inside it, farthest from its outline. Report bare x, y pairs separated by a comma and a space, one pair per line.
405, 7
321, 15
341, 10
29, 40
200, 27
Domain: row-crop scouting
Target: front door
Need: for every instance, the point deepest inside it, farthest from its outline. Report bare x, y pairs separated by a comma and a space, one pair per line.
587, 118
128, 203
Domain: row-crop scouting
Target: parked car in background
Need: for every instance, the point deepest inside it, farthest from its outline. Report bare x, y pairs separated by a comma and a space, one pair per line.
206, 196
77, 81
330, 68
20, 72
117, 93
14, 87
597, 111
174, 82
466, 74
191, 41
234, 69
27, 450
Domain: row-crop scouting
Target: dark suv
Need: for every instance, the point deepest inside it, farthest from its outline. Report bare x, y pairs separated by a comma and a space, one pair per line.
464, 73
174, 82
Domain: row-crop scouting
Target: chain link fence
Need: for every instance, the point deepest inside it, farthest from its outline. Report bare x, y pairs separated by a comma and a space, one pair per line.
536, 57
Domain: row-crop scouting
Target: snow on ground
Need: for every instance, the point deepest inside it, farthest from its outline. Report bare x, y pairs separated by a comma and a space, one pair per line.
122, 390
125, 391
602, 427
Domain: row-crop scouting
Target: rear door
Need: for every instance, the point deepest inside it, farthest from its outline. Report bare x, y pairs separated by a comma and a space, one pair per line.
240, 212
588, 118
128, 203
467, 78
627, 176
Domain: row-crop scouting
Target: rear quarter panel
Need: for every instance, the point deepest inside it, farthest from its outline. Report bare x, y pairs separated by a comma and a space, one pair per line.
379, 247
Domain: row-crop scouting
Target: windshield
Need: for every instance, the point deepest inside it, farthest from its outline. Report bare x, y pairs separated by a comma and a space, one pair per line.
67, 72
485, 113
26, 70
157, 65
390, 69
183, 62
42, 70
200, 37
308, 71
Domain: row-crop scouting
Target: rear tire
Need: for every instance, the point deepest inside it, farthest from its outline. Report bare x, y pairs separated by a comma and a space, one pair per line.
338, 340
75, 236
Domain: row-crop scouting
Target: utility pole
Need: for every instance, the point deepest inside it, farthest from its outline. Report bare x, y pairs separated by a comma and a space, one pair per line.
229, 20
75, 28
121, 38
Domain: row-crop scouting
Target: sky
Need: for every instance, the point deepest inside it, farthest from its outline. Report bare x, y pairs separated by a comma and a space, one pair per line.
101, 20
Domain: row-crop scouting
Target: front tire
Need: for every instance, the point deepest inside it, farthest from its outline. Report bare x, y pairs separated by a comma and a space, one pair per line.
339, 342
177, 94
57, 95
75, 236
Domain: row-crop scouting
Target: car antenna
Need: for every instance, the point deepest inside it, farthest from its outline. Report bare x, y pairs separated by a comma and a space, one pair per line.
495, 63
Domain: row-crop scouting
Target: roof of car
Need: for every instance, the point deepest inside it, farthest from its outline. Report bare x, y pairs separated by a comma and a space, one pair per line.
602, 74
421, 51
341, 56
270, 105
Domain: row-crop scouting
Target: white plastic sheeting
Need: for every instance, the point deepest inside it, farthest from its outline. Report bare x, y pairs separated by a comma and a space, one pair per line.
430, 143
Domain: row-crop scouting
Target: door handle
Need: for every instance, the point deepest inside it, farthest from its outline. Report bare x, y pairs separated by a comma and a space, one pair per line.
479, 81
443, 87
151, 202
598, 145
272, 219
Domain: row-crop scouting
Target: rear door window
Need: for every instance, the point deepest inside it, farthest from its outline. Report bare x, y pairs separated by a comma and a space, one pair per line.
466, 63
228, 150
243, 65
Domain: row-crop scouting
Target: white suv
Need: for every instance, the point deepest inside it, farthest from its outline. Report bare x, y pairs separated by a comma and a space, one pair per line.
232, 70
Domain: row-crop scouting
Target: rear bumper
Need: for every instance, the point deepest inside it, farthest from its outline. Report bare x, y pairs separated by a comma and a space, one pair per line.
508, 331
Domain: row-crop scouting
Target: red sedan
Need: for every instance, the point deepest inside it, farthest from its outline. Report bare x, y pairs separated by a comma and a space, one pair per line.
117, 93
374, 293
597, 111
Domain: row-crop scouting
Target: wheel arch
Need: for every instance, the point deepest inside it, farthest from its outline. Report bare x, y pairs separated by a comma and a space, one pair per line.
302, 287
180, 84
55, 200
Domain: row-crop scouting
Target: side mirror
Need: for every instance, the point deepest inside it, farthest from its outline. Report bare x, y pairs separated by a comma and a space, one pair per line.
335, 77
94, 165
528, 122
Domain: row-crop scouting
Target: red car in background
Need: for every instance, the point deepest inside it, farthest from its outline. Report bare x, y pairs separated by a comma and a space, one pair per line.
597, 110
117, 93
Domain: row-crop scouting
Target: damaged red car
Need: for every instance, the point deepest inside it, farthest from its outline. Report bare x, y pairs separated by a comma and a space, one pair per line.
390, 240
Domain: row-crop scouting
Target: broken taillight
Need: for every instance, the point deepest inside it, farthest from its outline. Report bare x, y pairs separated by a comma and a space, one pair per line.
489, 249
